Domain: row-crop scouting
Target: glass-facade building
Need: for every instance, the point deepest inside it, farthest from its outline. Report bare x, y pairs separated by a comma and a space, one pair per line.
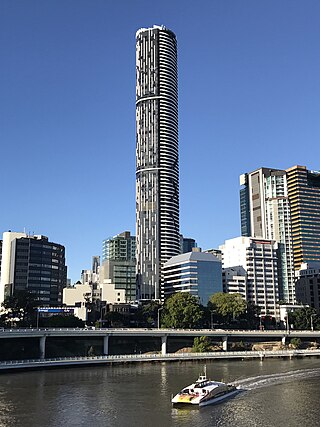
304, 196
157, 158
197, 273
121, 247
187, 244
119, 263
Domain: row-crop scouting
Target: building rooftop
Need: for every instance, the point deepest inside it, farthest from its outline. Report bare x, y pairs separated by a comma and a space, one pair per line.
192, 256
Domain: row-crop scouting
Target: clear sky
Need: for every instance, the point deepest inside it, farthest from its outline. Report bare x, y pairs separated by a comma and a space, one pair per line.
249, 96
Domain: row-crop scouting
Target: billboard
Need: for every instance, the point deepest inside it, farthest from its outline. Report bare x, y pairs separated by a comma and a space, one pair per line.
59, 310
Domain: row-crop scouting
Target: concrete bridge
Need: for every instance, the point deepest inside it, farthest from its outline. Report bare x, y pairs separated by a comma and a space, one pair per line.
105, 334
150, 358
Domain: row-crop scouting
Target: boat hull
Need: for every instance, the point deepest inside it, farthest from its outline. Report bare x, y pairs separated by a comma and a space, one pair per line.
219, 399
206, 402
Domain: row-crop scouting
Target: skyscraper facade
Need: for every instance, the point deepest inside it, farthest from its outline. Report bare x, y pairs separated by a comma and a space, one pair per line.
197, 273
254, 262
157, 159
304, 196
119, 264
121, 247
265, 213
33, 264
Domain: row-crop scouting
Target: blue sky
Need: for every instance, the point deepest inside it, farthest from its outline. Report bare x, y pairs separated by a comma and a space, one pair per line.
249, 96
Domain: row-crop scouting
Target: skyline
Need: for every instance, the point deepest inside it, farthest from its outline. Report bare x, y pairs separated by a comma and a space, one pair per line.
248, 73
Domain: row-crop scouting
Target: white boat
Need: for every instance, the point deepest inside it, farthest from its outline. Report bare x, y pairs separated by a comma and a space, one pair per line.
204, 392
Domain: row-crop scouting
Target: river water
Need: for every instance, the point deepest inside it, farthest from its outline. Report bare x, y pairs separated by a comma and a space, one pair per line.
277, 393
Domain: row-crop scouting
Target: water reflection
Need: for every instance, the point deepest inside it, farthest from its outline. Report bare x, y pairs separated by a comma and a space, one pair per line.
140, 395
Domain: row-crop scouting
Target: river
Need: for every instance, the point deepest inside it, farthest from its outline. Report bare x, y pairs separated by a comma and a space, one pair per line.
278, 393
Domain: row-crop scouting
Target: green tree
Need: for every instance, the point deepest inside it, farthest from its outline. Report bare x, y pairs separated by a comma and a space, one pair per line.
19, 308
303, 318
229, 306
295, 342
181, 310
60, 321
201, 345
115, 319
150, 313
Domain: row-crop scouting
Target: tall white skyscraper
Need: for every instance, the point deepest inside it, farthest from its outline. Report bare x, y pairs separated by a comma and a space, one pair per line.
157, 158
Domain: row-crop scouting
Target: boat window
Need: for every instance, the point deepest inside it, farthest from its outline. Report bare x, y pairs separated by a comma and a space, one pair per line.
185, 390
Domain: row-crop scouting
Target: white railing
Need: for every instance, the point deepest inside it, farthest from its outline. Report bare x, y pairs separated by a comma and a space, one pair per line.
156, 356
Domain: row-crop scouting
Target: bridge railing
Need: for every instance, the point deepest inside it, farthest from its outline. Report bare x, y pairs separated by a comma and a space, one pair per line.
157, 356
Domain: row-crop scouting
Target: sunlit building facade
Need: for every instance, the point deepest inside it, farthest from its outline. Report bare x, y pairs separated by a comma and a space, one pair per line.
157, 160
265, 213
304, 196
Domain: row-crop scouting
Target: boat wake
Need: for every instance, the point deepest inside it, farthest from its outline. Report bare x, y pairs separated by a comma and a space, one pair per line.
273, 379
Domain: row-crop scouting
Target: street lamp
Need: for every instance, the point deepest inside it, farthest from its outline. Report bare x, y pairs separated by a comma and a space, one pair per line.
311, 321
159, 309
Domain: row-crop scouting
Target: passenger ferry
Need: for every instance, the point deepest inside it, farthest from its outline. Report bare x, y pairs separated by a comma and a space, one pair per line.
204, 392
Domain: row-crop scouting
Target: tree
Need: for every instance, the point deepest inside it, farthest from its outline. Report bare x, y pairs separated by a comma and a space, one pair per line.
115, 319
150, 313
181, 310
250, 319
20, 308
304, 318
61, 321
228, 306
201, 345
295, 342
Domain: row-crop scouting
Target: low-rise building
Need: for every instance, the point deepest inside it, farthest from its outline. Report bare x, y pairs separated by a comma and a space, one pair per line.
234, 280
308, 285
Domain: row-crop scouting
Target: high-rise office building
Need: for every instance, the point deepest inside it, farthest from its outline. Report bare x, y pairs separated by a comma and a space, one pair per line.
33, 264
121, 247
187, 244
265, 213
304, 196
119, 264
157, 160
250, 267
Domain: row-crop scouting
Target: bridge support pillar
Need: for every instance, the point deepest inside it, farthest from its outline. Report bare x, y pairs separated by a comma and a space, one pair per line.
225, 343
164, 345
42, 347
106, 345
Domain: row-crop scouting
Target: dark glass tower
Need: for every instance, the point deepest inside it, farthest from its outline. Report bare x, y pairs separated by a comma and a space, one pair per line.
157, 160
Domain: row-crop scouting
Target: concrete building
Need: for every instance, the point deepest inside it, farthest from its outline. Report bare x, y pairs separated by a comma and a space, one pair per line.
79, 295
32, 263
157, 161
265, 213
234, 280
308, 285
216, 252
119, 264
110, 294
257, 261
197, 273
304, 196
